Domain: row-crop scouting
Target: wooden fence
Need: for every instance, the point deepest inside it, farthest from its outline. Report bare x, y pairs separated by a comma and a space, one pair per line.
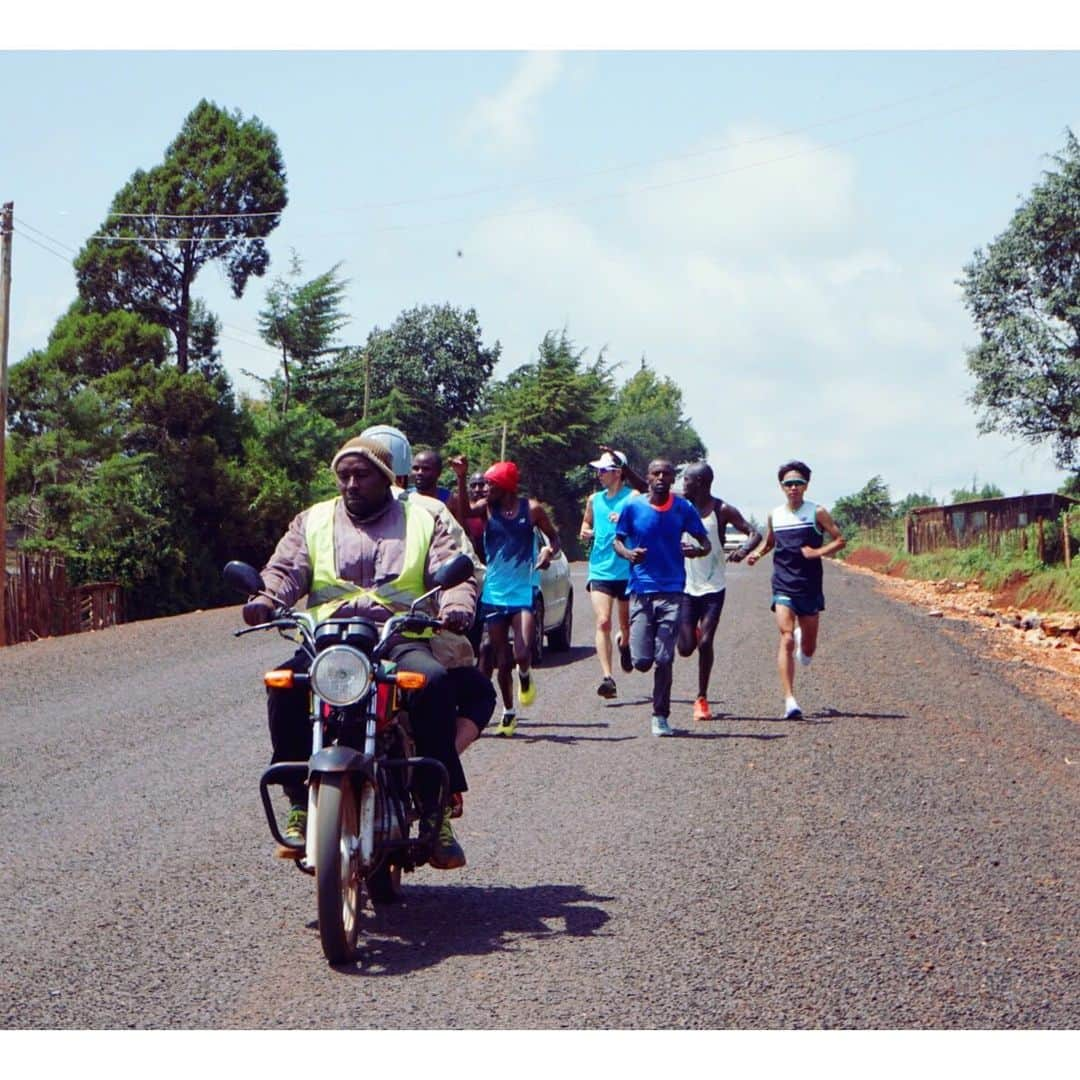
40, 603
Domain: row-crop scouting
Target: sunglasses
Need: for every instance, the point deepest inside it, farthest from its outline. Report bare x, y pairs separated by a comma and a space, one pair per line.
610, 468
793, 483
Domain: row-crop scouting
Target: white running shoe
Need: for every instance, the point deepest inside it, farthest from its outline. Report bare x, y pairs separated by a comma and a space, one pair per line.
660, 726
791, 709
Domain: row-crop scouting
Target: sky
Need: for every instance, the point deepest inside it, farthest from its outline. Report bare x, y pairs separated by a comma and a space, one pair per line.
774, 218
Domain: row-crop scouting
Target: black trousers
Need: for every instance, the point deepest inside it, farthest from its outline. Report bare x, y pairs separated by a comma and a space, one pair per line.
432, 714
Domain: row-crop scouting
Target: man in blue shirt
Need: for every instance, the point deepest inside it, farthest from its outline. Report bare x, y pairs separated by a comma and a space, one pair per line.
649, 535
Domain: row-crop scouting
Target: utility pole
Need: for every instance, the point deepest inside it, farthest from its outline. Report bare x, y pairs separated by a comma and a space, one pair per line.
6, 214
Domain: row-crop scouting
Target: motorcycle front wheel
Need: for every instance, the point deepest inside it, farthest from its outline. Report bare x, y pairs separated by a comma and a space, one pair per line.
338, 879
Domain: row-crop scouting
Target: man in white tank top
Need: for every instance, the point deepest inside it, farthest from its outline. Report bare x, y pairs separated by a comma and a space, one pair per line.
703, 598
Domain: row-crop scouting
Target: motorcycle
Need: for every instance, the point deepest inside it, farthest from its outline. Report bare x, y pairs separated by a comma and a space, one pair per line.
362, 803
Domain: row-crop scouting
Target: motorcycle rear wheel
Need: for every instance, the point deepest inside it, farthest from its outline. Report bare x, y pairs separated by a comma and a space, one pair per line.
339, 882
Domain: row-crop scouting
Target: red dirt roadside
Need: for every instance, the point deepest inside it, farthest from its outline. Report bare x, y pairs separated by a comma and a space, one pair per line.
1041, 650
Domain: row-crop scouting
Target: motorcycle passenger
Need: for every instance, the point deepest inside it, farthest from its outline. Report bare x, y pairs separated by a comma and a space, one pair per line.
366, 553
472, 691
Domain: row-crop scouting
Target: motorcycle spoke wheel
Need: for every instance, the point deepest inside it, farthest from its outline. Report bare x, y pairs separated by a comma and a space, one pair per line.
339, 882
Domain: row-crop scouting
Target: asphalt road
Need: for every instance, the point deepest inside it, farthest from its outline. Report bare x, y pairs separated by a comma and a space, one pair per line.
909, 860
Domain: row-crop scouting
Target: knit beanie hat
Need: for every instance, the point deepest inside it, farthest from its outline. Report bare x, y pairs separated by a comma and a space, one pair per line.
372, 449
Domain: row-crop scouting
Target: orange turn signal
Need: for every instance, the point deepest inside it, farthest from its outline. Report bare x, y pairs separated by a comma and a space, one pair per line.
280, 679
411, 680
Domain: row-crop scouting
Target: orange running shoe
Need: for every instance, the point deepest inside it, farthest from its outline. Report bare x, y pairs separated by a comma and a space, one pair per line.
701, 710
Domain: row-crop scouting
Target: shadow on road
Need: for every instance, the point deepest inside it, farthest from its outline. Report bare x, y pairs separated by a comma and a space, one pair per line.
434, 923
561, 659
698, 733
822, 716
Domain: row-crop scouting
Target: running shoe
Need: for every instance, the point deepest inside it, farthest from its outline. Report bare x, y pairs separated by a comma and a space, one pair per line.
660, 726
625, 660
526, 688
508, 724
607, 688
701, 709
792, 710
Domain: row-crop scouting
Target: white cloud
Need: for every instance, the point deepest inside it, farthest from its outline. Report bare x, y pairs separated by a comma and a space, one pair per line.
504, 120
791, 325
758, 192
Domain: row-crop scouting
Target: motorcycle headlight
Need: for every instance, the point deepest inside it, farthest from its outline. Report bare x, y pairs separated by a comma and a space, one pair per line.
340, 675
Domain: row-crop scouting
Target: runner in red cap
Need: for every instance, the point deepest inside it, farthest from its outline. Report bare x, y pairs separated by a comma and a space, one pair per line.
513, 567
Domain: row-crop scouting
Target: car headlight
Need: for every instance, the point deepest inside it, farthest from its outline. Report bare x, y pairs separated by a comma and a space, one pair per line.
340, 675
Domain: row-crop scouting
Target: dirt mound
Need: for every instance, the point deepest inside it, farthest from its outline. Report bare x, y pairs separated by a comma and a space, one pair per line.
869, 559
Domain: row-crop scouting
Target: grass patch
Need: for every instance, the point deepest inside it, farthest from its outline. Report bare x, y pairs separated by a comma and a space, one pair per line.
1050, 587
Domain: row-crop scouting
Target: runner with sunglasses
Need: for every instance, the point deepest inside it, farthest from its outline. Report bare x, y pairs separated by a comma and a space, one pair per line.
796, 529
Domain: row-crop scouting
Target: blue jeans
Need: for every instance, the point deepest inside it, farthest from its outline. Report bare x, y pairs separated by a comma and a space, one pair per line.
654, 626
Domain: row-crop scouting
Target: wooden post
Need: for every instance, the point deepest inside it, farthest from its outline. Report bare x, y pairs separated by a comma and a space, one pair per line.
1041, 549
6, 215
1068, 541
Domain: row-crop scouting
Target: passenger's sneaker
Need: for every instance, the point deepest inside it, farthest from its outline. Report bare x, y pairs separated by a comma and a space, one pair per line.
701, 709
607, 688
294, 833
660, 726
446, 852
625, 660
791, 709
508, 724
526, 687
296, 825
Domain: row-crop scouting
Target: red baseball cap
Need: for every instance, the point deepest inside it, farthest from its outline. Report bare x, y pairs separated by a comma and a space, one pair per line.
503, 474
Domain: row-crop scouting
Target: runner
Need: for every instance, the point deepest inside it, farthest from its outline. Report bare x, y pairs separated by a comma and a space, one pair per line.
511, 575
703, 599
796, 529
608, 573
649, 534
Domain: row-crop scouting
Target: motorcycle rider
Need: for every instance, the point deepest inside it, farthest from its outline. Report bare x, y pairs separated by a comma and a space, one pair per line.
366, 553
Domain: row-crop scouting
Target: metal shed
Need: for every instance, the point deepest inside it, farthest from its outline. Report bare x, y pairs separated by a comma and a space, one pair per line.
958, 525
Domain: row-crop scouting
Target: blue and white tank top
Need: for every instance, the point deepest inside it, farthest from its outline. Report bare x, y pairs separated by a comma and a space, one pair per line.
511, 555
604, 564
794, 574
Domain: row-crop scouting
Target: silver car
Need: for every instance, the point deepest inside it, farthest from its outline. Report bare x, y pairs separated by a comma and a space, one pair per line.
553, 605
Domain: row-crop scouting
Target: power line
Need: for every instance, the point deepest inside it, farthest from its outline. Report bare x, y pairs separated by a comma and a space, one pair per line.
588, 174
63, 258
59, 243
610, 195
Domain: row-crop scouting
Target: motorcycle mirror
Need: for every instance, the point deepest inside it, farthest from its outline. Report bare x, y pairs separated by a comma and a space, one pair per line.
245, 579
458, 569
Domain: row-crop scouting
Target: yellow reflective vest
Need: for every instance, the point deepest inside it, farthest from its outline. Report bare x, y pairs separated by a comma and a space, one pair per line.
329, 591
